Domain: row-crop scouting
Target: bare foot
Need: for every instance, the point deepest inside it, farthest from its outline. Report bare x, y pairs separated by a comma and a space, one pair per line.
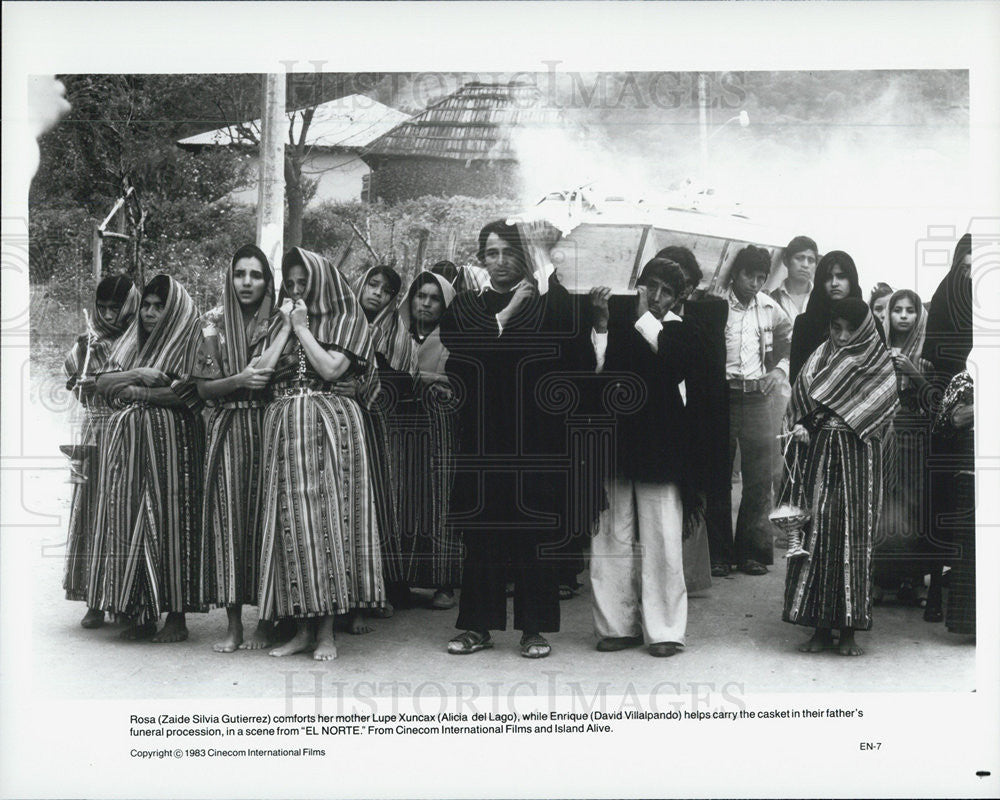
94, 618
135, 633
299, 643
326, 649
385, 612
262, 637
173, 630
847, 646
358, 622
820, 641
233, 640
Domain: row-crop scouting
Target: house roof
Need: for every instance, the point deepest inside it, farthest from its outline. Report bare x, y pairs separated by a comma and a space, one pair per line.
348, 123
476, 122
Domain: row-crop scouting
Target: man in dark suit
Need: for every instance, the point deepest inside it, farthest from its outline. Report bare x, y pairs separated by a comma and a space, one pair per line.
637, 568
708, 407
510, 344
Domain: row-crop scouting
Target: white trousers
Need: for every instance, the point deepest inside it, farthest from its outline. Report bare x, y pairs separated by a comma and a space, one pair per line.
637, 563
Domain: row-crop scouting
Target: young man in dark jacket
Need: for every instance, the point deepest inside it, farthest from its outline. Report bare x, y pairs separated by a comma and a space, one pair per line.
637, 569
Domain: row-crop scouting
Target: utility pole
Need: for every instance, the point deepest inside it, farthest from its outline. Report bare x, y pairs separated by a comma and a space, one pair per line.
271, 182
703, 123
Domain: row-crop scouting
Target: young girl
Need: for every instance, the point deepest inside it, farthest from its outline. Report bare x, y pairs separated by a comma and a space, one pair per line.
320, 555
902, 552
395, 360
836, 278
148, 519
841, 403
115, 305
232, 373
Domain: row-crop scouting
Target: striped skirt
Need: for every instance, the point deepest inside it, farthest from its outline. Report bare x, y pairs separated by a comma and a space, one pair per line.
383, 473
842, 488
148, 519
422, 439
83, 507
320, 553
231, 520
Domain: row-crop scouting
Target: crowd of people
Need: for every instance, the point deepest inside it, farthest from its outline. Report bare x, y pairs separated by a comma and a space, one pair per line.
318, 450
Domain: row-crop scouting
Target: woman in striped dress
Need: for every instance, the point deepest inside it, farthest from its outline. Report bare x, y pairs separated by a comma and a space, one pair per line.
395, 360
843, 398
232, 373
115, 305
423, 433
320, 555
148, 518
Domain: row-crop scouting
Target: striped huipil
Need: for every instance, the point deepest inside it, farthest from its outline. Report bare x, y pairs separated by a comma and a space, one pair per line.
92, 350
321, 551
148, 520
846, 396
229, 562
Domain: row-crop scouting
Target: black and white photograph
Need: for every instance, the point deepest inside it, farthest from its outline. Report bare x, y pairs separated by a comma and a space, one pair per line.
464, 419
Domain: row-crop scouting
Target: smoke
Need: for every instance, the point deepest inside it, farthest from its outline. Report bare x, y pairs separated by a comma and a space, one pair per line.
867, 172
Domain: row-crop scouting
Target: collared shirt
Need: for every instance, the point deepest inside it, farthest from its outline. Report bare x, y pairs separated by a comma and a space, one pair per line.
649, 327
791, 304
750, 331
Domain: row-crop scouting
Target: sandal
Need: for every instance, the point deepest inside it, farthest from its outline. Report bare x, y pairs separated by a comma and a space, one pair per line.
720, 569
535, 646
752, 567
469, 642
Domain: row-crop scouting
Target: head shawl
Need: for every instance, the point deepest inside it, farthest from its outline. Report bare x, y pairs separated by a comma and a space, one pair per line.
857, 380
389, 336
172, 345
239, 338
335, 317
913, 345
93, 348
119, 290
431, 354
949, 321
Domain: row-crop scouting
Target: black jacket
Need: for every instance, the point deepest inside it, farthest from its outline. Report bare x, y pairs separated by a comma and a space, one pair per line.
514, 392
652, 432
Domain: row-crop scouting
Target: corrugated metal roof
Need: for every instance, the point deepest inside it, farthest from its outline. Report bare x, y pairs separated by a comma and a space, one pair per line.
349, 122
473, 123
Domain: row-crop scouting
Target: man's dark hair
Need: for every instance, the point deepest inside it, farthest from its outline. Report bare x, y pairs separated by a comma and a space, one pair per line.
509, 233
751, 259
797, 245
664, 269
686, 260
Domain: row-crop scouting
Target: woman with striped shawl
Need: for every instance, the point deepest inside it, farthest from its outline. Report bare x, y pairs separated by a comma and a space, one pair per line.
395, 358
422, 435
115, 305
232, 373
148, 518
320, 555
841, 402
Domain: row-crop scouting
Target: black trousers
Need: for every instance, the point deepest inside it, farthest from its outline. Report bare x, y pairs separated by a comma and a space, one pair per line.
493, 556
